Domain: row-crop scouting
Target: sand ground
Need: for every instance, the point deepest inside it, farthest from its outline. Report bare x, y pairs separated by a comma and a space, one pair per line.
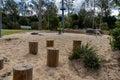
16, 51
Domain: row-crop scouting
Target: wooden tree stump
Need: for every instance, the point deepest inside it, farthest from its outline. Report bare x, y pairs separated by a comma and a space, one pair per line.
22, 72
76, 43
1, 63
50, 43
52, 57
33, 48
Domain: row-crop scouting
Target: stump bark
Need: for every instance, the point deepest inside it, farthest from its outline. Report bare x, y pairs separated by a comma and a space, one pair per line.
1, 63
76, 43
22, 72
33, 48
50, 43
52, 57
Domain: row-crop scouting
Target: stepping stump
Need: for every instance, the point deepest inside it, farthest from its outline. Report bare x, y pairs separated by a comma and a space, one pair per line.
52, 57
1, 63
50, 43
33, 48
22, 72
76, 43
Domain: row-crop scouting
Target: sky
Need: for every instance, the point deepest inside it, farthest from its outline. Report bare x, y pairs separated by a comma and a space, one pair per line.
77, 4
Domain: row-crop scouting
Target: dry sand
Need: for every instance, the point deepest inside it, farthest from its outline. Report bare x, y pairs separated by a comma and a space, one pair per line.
16, 51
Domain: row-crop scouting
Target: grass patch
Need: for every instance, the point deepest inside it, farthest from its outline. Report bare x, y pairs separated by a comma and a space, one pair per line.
8, 32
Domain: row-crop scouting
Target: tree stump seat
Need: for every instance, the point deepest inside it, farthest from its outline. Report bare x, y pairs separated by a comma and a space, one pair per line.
50, 43
1, 63
22, 72
33, 48
52, 57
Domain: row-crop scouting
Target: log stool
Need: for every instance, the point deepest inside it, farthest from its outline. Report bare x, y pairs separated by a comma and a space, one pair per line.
76, 43
52, 57
1, 63
33, 48
22, 72
50, 43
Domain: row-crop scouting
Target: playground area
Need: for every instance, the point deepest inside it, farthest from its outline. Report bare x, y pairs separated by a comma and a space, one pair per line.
15, 49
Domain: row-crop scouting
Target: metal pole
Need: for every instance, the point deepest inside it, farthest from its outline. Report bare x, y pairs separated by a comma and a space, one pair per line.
63, 16
0, 21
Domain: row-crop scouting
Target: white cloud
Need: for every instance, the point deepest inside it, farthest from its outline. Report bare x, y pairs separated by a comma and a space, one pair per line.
115, 12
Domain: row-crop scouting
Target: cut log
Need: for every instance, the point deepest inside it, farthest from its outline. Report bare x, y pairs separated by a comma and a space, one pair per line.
76, 43
50, 43
1, 63
52, 57
33, 48
22, 72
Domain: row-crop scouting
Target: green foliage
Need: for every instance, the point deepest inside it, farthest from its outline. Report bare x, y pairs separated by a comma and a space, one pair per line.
4, 26
34, 25
87, 53
44, 24
110, 21
59, 26
15, 25
6, 74
67, 24
115, 42
92, 61
54, 22
117, 23
104, 26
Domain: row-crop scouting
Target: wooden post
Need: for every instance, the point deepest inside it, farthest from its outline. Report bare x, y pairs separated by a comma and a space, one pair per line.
76, 43
50, 43
52, 57
22, 72
1, 63
33, 48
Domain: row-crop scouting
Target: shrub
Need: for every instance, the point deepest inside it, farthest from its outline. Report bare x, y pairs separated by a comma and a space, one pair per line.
115, 42
91, 60
80, 51
117, 23
15, 25
88, 54
4, 26
104, 26
34, 25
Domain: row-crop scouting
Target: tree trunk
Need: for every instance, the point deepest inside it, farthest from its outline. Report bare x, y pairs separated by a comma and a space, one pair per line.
33, 48
50, 43
52, 57
40, 15
0, 22
76, 43
22, 72
1, 63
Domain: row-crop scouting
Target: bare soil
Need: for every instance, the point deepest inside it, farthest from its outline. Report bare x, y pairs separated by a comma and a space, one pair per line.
15, 50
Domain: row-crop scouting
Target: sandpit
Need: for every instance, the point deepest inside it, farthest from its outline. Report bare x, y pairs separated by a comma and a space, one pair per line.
15, 48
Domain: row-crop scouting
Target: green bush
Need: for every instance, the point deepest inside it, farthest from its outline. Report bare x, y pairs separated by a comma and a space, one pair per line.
117, 23
4, 26
15, 25
104, 26
88, 54
91, 60
115, 42
34, 25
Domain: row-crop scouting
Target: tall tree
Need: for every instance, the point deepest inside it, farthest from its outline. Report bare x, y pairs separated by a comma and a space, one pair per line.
69, 6
11, 8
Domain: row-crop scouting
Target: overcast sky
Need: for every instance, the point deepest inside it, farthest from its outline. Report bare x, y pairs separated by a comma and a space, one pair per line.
77, 5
